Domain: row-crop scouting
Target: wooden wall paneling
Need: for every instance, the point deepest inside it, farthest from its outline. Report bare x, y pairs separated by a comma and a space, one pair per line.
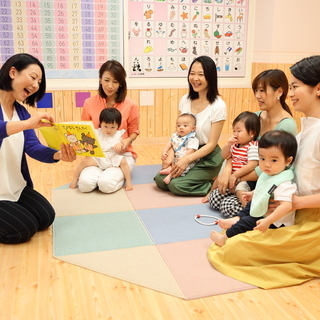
68, 106
248, 100
225, 96
166, 109
76, 111
151, 121
175, 97
58, 106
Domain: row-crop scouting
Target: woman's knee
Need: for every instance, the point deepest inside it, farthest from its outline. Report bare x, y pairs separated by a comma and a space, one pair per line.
19, 233
110, 185
158, 179
88, 179
86, 186
111, 180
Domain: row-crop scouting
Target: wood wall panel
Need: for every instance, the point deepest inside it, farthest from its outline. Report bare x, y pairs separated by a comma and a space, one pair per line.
158, 120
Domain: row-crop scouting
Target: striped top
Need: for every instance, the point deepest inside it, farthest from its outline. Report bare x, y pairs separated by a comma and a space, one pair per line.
241, 155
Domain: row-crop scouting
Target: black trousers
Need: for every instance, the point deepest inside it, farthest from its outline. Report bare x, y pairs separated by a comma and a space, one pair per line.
245, 223
20, 220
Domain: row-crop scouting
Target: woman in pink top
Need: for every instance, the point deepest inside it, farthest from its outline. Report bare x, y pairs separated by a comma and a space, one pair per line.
111, 94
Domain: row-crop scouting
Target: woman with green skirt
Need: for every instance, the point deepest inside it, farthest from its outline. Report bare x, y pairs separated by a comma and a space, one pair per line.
204, 102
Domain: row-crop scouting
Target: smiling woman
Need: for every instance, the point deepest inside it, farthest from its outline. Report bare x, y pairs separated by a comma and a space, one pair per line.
202, 101
23, 211
112, 93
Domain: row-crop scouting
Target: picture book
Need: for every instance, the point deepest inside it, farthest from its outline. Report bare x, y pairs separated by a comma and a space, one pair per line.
81, 136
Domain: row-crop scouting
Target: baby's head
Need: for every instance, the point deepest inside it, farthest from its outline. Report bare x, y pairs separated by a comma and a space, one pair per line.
277, 151
110, 120
246, 127
185, 124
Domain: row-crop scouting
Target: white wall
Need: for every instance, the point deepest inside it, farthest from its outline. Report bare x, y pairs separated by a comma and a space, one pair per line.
286, 30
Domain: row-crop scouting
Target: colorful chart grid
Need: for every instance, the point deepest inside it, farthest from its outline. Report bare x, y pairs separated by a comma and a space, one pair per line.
71, 37
166, 35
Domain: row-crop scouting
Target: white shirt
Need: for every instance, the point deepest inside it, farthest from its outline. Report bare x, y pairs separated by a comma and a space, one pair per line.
12, 182
307, 163
217, 111
284, 192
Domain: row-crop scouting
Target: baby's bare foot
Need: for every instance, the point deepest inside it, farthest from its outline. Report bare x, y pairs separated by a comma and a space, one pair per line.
167, 179
73, 185
218, 238
227, 223
128, 187
165, 171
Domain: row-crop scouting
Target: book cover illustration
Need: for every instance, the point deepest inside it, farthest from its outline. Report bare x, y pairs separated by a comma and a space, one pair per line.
80, 136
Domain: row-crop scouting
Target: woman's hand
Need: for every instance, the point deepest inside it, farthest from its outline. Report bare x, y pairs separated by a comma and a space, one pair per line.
223, 183
118, 147
39, 120
125, 143
66, 154
273, 205
179, 167
232, 182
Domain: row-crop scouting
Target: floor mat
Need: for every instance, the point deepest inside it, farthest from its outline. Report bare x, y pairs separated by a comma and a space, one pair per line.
145, 236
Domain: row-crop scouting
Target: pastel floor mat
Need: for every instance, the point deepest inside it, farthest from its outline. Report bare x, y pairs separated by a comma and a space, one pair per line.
145, 236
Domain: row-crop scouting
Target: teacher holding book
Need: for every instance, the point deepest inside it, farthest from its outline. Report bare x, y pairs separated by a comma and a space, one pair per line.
23, 210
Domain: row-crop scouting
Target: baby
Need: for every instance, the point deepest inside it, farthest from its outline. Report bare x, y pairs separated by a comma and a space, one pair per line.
277, 151
110, 140
183, 142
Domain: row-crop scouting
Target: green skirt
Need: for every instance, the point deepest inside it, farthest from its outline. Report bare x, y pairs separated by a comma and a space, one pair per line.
198, 181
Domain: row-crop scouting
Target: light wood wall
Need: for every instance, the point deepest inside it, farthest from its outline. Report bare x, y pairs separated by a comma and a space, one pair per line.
158, 120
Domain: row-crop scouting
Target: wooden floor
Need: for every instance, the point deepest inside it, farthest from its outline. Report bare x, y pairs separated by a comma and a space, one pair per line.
35, 286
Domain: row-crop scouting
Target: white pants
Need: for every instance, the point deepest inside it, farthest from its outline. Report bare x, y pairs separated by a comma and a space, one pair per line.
108, 180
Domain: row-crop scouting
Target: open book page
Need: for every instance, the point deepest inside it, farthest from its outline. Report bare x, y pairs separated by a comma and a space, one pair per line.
81, 136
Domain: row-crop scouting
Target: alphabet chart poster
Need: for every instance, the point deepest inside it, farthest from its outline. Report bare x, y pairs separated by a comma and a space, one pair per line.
72, 38
166, 35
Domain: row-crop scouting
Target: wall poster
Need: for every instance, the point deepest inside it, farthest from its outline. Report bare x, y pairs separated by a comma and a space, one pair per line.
166, 35
72, 38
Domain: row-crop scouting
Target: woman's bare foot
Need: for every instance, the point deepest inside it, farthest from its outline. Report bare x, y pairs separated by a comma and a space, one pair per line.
218, 238
227, 223
205, 199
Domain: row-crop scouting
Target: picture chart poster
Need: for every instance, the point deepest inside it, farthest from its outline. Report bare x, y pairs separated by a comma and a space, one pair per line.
72, 38
166, 35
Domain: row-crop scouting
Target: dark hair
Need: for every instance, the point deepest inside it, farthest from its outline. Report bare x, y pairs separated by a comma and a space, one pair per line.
251, 122
110, 115
307, 70
20, 62
283, 140
276, 79
118, 72
188, 115
210, 73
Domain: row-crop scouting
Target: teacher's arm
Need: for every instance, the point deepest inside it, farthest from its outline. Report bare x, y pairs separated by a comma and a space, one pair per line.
304, 202
182, 163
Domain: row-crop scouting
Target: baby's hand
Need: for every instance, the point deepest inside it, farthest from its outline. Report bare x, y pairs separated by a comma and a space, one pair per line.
164, 156
262, 225
247, 196
232, 140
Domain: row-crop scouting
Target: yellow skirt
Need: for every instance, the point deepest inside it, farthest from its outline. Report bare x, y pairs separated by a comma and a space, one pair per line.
277, 258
